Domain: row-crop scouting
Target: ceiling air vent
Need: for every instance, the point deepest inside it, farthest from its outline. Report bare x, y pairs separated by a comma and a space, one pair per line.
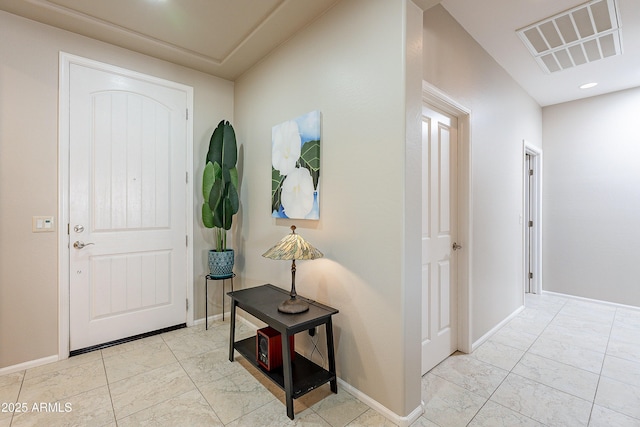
586, 33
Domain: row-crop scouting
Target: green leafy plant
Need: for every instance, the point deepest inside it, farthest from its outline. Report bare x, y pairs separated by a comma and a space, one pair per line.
220, 183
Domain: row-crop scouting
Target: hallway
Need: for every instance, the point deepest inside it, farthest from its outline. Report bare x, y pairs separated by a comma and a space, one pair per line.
560, 362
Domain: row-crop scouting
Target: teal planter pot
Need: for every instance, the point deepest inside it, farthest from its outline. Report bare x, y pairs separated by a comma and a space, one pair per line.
221, 263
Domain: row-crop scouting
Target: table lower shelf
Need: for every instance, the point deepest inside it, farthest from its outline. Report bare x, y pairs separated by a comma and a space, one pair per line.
306, 374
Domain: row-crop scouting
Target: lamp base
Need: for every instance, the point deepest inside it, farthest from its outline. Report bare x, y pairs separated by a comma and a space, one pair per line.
293, 306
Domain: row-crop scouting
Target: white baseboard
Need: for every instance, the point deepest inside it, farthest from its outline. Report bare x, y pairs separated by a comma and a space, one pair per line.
597, 301
496, 328
212, 318
387, 413
29, 364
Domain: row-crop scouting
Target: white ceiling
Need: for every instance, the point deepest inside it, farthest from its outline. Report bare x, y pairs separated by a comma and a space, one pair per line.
493, 24
227, 37
220, 37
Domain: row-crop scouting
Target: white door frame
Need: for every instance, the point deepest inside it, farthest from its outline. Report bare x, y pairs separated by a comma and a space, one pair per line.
435, 97
535, 245
63, 188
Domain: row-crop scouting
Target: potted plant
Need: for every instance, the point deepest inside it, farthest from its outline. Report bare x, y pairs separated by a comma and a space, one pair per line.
220, 191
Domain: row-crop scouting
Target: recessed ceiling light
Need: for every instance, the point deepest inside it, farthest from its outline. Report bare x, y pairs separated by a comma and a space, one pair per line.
588, 85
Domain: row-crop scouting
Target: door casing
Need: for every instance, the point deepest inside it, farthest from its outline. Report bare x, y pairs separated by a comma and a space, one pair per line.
65, 62
532, 246
435, 97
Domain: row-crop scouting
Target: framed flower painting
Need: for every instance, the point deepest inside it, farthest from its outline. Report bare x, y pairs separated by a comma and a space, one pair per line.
295, 168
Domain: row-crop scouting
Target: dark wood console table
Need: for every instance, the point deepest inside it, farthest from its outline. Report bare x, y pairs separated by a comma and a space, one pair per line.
302, 375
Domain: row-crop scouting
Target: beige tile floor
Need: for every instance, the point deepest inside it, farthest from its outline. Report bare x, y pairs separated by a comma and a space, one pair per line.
560, 362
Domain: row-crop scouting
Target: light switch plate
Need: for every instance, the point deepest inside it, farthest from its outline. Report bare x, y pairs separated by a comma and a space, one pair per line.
43, 224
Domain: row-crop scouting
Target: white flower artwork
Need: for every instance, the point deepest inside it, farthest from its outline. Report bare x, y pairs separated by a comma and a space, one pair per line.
286, 147
295, 168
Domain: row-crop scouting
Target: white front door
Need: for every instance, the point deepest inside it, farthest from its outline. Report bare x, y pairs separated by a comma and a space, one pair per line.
127, 205
439, 226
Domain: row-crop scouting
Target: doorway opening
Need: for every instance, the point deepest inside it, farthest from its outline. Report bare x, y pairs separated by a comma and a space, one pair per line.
125, 152
532, 214
440, 245
432, 97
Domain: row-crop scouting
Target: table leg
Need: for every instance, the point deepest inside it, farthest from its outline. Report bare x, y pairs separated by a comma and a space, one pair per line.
232, 332
288, 375
331, 354
224, 280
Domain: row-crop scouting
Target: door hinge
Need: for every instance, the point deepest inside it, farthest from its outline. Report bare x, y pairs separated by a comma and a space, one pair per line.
187, 301
68, 229
186, 178
187, 114
530, 223
530, 172
530, 275
186, 240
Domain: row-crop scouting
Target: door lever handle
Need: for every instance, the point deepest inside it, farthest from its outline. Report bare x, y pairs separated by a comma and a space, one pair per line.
79, 245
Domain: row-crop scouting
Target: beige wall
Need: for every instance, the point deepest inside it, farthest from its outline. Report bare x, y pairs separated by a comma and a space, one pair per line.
28, 172
350, 65
592, 198
502, 116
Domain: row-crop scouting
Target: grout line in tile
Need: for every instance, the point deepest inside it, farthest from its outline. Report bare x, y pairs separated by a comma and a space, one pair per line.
24, 374
197, 388
602, 366
113, 409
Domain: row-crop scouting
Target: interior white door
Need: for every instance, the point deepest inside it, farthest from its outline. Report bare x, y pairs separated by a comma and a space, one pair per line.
528, 223
532, 215
127, 206
439, 226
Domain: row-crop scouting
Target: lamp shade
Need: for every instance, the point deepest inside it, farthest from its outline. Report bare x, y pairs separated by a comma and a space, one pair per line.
292, 247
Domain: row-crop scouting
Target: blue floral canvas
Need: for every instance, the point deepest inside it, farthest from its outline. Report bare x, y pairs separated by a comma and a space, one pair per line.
295, 168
